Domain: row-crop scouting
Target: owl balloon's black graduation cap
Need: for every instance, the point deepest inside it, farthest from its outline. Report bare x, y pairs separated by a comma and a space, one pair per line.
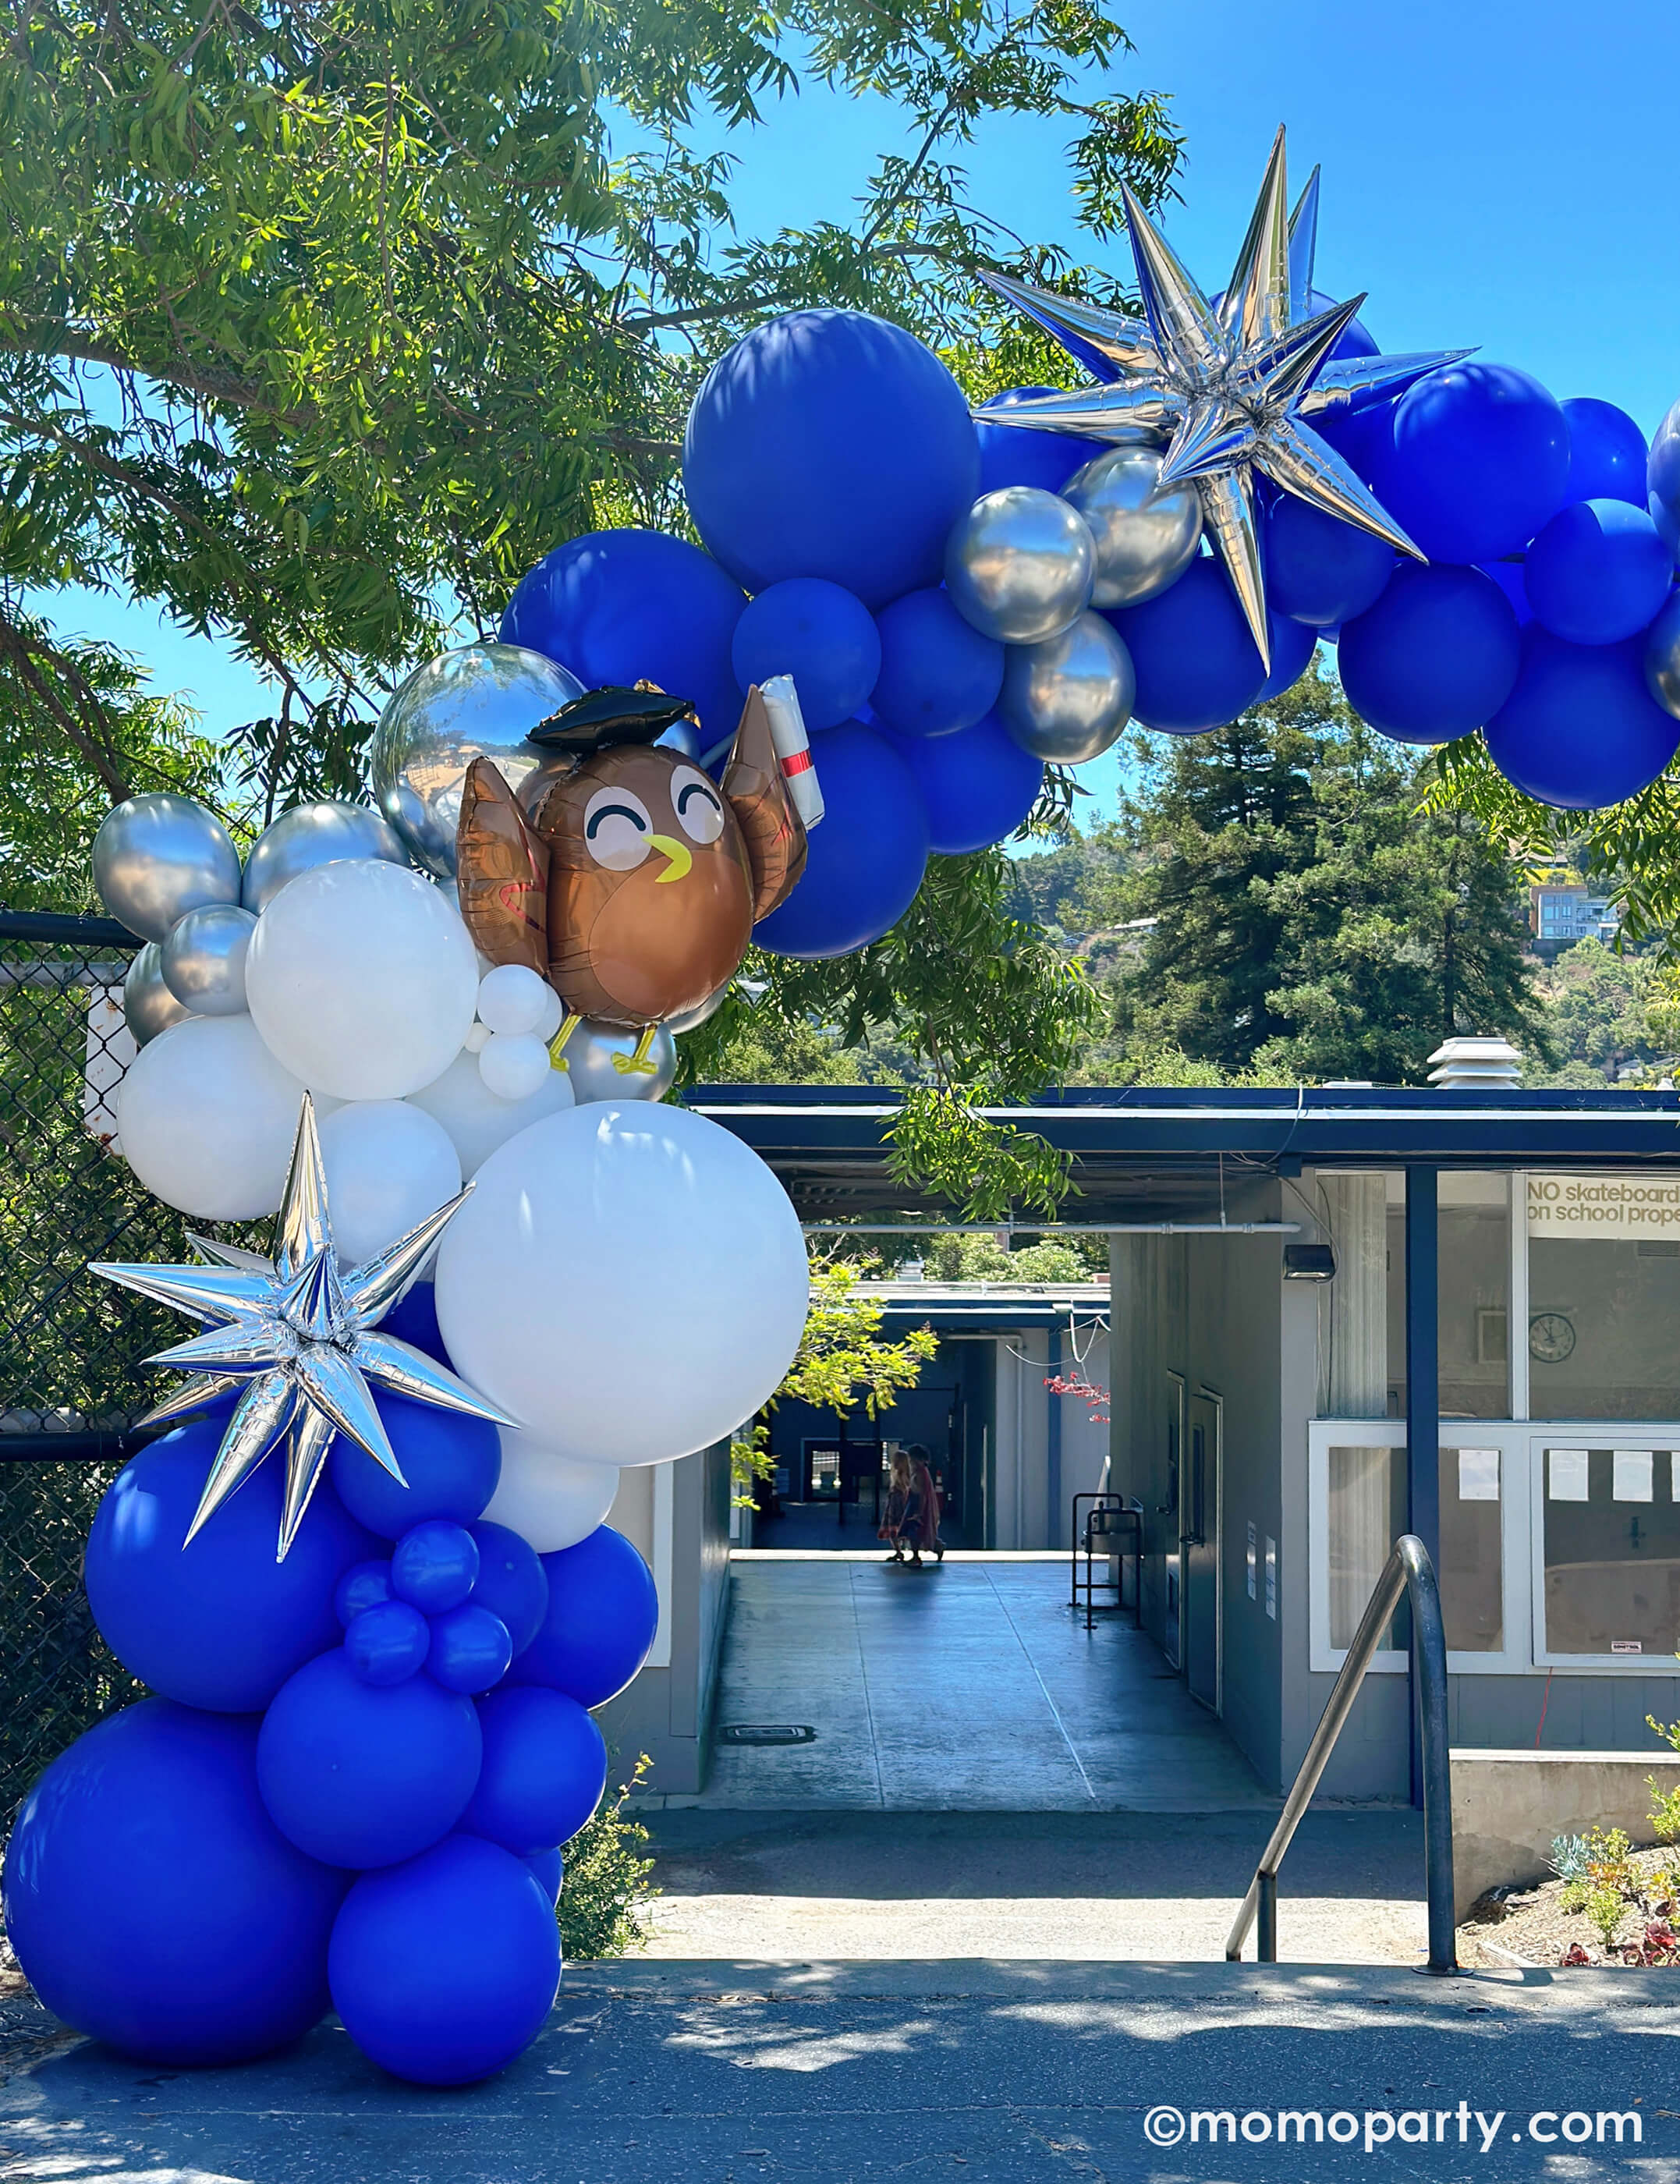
599, 719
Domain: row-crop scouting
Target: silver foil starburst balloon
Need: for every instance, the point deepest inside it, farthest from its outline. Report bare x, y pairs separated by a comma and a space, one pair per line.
1228, 388
297, 1340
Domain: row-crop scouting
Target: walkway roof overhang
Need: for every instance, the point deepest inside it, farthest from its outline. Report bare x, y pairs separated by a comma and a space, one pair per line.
988, 1308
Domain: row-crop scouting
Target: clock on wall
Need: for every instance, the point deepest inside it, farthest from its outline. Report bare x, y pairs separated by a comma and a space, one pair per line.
1551, 1337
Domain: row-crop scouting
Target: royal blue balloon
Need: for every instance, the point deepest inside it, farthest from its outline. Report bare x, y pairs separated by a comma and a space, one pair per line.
434, 1566
1606, 452
1478, 460
545, 1766
444, 1968
864, 861
1318, 569
1508, 576
415, 1320
1355, 338
1196, 665
1434, 658
471, 1649
356, 1775
451, 1462
602, 1612
388, 1643
1598, 572
821, 635
978, 785
1581, 730
615, 606
937, 672
1011, 454
1662, 479
220, 1624
829, 443
1291, 647
550, 1869
1364, 438
512, 1582
154, 1905
363, 1586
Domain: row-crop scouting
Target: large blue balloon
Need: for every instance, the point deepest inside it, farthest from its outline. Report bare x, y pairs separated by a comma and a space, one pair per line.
1196, 663
358, 1775
937, 672
1319, 569
549, 1867
821, 635
1010, 455
220, 1624
1291, 647
154, 1905
1508, 576
444, 1968
1662, 479
1478, 460
415, 1320
1434, 658
1597, 572
615, 606
829, 443
451, 1462
865, 860
545, 1766
1606, 452
602, 1612
1581, 730
978, 785
512, 1582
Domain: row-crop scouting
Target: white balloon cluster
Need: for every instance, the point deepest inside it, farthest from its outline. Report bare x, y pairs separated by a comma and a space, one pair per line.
518, 1014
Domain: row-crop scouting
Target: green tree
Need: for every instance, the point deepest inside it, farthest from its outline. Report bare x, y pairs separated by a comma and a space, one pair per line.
1600, 1007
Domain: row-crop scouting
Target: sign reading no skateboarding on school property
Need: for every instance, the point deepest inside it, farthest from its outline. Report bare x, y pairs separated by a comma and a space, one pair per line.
1603, 1206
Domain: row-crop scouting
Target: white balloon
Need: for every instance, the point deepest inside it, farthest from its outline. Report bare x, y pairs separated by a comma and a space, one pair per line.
628, 1280
511, 997
388, 1165
477, 1122
552, 1502
362, 979
550, 1021
513, 1064
477, 1038
207, 1117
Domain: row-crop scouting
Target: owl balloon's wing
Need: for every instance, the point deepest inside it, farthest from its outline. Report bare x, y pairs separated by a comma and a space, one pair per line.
501, 873
756, 790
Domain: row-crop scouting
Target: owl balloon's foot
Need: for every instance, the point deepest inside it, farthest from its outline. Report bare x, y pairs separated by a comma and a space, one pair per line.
557, 1045
638, 1064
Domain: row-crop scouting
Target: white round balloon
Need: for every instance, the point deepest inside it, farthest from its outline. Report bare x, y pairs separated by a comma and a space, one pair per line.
362, 979
628, 1280
477, 1120
512, 999
513, 1064
207, 1117
552, 1502
388, 1165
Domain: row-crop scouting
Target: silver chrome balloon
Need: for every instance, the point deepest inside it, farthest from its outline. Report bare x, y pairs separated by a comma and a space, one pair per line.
156, 857
588, 1053
692, 1019
148, 1005
1662, 479
1019, 566
1145, 538
479, 701
1067, 699
311, 834
203, 961
1662, 657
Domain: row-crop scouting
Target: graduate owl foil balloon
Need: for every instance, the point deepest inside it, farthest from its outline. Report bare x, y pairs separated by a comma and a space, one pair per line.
619, 870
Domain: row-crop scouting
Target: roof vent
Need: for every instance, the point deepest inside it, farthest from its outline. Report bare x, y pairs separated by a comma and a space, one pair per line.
1466, 1065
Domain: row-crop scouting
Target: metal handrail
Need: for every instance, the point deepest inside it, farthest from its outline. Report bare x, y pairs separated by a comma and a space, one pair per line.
1408, 1570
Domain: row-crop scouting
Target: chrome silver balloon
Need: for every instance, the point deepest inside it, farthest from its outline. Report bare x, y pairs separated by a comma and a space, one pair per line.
479, 701
148, 1005
203, 961
1662, 657
692, 1019
1662, 479
1019, 564
590, 1050
1146, 538
1067, 699
156, 857
311, 834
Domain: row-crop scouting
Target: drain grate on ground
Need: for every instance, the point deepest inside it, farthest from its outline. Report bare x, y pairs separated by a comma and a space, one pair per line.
766, 1732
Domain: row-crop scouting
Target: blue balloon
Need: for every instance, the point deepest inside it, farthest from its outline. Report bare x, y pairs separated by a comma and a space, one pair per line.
1436, 656
545, 1766
387, 1643
978, 784
829, 443
550, 1869
602, 1612
1319, 569
154, 1905
1011, 456
444, 1968
220, 1624
363, 1586
1478, 460
1364, 438
824, 637
1355, 338
1598, 572
1508, 576
1293, 643
451, 1461
415, 1320
434, 1566
356, 1775
937, 672
471, 1649
1581, 730
864, 861
512, 1582
1606, 452
615, 606
1196, 663
1663, 480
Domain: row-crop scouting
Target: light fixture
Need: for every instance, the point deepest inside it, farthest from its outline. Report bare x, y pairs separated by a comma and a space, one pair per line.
1308, 1262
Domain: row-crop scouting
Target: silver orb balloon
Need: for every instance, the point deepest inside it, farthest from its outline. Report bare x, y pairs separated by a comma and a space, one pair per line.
203, 961
477, 702
692, 1019
1067, 701
1019, 564
1145, 538
148, 1005
311, 834
1662, 479
157, 857
1662, 657
589, 1055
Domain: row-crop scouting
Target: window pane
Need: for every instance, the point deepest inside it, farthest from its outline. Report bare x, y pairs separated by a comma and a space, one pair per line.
1367, 1515
1612, 1574
1604, 1296
1475, 1296
1473, 1598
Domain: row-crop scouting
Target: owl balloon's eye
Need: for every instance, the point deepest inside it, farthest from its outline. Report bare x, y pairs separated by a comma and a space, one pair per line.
697, 805
616, 827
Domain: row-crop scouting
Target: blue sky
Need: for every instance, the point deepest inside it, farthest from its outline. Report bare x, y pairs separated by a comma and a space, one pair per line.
1496, 172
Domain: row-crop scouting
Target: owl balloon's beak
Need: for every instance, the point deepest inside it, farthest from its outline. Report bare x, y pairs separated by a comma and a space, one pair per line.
679, 858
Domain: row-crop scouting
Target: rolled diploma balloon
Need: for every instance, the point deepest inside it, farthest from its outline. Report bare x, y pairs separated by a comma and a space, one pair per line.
793, 747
